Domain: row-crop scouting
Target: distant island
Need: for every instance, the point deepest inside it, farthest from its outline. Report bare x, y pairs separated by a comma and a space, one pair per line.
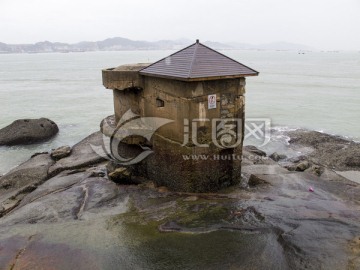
124, 44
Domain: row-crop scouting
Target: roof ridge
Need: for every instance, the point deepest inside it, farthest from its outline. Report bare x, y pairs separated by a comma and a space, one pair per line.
194, 57
167, 57
228, 57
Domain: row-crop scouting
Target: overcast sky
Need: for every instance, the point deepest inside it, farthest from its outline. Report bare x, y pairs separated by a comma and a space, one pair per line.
323, 24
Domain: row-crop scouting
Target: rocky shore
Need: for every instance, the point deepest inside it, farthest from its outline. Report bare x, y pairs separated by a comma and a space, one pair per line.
59, 210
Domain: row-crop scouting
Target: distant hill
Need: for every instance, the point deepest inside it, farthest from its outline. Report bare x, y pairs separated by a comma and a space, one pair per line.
124, 44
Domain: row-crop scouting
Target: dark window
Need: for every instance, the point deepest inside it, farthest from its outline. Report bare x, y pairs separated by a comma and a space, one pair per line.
160, 102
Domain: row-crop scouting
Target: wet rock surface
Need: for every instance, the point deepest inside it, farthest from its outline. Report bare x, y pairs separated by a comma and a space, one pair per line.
22, 180
74, 217
28, 131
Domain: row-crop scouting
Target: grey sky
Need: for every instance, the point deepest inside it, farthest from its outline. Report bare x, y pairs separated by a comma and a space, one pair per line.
324, 24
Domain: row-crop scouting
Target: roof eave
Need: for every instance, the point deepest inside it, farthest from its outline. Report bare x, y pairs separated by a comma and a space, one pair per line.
212, 78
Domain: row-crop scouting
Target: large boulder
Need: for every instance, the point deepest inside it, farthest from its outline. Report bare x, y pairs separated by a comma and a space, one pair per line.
28, 131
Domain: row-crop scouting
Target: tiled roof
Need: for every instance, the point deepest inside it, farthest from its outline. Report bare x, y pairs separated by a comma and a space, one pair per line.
197, 62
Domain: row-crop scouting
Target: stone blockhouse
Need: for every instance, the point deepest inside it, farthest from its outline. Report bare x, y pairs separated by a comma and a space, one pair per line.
202, 92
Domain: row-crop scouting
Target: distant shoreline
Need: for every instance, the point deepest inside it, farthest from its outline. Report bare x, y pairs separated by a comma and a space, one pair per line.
124, 44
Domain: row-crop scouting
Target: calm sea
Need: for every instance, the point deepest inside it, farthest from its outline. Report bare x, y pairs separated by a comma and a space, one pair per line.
315, 90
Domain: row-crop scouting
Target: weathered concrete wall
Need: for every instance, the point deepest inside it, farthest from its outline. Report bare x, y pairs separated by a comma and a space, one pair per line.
178, 166
189, 100
127, 99
123, 77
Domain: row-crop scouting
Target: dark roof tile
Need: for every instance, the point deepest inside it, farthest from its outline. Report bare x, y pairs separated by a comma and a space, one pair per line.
197, 62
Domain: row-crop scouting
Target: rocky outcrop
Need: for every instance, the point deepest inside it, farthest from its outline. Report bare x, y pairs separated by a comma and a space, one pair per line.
20, 181
24, 179
314, 138
33, 171
28, 131
95, 223
328, 150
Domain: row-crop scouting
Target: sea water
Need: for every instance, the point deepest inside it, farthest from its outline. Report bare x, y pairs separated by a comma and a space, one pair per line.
315, 90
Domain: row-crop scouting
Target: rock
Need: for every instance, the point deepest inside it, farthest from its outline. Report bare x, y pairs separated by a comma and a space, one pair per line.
254, 150
328, 150
314, 138
298, 163
316, 169
28, 131
68, 196
82, 155
33, 171
73, 205
290, 167
122, 174
353, 161
255, 181
61, 152
25, 178
302, 166
276, 157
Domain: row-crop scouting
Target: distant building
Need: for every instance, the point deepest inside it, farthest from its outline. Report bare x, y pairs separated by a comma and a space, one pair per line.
202, 91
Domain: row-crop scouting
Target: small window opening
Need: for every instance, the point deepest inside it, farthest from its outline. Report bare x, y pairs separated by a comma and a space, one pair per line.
160, 102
